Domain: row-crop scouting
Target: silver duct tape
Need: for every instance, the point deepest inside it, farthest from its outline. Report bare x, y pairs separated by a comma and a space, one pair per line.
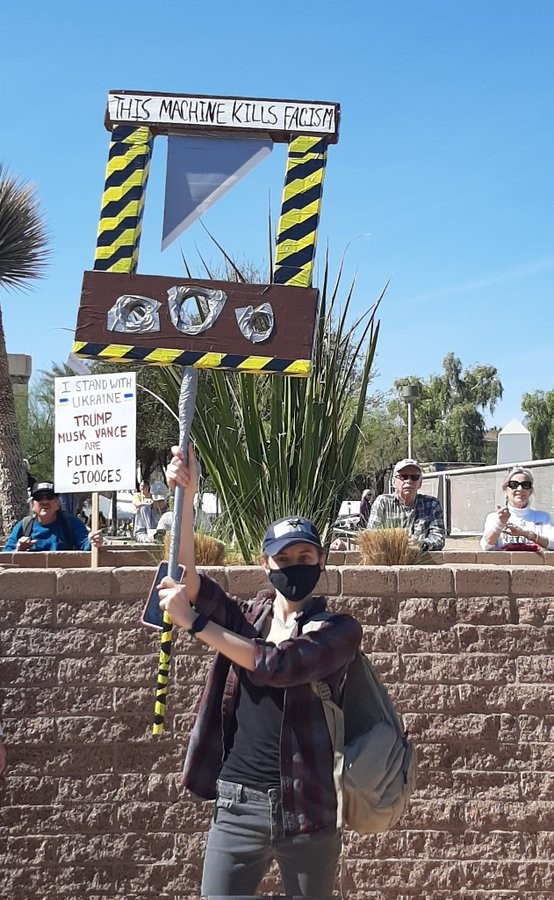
256, 323
134, 314
194, 309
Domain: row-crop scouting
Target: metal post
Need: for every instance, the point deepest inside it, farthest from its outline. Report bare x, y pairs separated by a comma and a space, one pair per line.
113, 502
410, 392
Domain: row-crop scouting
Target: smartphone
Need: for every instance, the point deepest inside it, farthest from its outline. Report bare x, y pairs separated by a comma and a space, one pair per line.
152, 615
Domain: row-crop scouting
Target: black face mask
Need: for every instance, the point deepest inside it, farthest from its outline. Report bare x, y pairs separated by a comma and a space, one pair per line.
295, 582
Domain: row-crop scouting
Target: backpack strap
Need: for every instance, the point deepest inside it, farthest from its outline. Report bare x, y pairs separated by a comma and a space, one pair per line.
335, 724
334, 719
26, 526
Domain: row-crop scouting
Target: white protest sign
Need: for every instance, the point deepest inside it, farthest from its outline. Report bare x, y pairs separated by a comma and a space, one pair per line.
220, 113
95, 433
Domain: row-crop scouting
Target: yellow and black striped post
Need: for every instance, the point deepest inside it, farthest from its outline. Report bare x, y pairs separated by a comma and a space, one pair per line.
255, 365
119, 229
117, 250
163, 675
301, 204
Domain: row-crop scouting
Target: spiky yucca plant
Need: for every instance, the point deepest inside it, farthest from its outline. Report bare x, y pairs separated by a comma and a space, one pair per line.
275, 446
388, 547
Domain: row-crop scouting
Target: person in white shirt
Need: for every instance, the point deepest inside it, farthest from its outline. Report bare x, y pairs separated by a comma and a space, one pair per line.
517, 523
148, 515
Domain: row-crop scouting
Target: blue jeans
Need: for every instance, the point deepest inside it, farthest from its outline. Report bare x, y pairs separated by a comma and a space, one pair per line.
247, 834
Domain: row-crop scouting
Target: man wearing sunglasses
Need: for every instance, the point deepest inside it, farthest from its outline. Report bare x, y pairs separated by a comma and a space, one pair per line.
516, 526
420, 514
49, 528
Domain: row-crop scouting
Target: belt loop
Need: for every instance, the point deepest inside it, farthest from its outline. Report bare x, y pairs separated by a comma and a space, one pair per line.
240, 798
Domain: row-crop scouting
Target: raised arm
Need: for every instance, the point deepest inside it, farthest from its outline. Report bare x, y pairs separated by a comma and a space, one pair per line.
187, 477
299, 660
494, 524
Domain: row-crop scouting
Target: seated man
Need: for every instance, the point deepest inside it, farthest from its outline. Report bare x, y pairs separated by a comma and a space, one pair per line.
49, 528
148, 516
420, 514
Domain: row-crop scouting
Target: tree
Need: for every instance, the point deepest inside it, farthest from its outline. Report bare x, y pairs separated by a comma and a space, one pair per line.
23, 255
37, 422
539, 419
448, 423
382, 442
36, 429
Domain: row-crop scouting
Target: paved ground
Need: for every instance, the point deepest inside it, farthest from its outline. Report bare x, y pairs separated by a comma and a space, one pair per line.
462, 543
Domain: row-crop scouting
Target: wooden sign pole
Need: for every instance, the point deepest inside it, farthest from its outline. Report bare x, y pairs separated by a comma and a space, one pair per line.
94, 526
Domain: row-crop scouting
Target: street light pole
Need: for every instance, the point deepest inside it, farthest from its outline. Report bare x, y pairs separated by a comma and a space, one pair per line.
410, 392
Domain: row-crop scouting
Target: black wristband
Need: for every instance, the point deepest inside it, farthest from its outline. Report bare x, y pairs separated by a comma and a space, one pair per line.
199, 623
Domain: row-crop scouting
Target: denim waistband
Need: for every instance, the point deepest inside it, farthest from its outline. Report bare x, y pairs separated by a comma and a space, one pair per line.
230, 790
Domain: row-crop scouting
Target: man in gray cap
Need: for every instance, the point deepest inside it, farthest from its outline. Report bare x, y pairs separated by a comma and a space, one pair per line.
420, 514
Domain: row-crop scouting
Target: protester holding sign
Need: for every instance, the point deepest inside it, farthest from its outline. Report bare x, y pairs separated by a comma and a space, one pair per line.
273, 785
48, 528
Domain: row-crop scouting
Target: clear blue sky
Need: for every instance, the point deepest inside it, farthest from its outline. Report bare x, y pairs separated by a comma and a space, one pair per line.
442, 178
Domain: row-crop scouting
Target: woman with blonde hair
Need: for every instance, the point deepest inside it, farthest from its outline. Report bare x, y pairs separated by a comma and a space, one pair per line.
517, 526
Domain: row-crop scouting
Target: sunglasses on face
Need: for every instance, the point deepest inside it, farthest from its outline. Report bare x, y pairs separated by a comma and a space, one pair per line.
411, 477
526, 485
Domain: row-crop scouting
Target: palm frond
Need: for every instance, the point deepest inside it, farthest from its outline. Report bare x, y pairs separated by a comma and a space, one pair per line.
24, 242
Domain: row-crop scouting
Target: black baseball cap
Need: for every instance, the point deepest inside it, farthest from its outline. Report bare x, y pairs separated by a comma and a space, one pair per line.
44, 487
290, 530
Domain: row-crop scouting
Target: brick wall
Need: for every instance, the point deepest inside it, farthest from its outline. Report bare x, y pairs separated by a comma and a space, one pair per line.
91, 804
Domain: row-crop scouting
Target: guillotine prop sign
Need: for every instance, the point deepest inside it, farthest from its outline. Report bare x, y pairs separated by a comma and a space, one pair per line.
198, 324
127, 317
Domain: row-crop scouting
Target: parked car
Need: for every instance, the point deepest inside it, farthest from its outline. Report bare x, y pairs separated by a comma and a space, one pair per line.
348, 518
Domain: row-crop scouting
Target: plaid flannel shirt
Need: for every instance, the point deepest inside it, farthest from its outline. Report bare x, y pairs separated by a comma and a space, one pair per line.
424, 520
308, 793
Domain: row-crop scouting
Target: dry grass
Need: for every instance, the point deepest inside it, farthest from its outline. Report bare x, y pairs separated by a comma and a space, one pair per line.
388, 547
208, 551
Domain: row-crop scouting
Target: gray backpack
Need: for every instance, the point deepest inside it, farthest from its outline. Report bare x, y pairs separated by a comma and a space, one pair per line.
375, 763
